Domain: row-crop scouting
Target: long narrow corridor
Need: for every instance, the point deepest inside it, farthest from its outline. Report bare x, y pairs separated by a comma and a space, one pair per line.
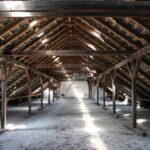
69, 124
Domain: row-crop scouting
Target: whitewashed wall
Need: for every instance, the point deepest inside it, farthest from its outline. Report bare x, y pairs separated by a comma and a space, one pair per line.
74, 89
94, 92
46, 92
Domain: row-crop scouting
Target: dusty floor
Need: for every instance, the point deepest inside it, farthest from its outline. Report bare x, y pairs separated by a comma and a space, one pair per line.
69, 124
125, 111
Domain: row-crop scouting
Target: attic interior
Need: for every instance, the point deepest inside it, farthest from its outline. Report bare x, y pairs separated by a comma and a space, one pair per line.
60, 56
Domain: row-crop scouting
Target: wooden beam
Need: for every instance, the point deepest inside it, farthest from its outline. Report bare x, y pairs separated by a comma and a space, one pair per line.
134, 68
70, 53
28, 75
3, 104
104, 91
53, 95
74, 8
42, 92
65, 65
90, 88
114, 91
134, 111
4, 95
49, 94
97, 87
23, 66
142, 52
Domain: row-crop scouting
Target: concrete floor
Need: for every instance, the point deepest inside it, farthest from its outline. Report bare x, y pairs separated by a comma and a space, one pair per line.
68, 124
124, 112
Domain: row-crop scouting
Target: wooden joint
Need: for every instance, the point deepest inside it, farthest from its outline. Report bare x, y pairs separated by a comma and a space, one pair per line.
134, 67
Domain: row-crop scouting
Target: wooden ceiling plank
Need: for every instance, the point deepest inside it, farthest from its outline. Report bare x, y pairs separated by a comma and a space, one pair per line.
74, 8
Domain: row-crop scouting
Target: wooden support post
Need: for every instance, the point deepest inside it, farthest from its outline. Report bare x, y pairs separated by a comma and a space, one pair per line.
134, 111
89, 86
3, 104
4, 73
114, 91
49, 94
97, 94
41, 82
104, 88
28, 74
91, 90
98, 91
53, 95
133, 70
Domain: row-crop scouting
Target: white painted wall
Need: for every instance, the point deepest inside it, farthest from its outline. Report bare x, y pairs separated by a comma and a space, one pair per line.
94, 92
46, 92
74, 89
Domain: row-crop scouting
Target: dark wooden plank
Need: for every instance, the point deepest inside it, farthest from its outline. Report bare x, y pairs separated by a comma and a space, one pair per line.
71, 53
74, 8
65, 65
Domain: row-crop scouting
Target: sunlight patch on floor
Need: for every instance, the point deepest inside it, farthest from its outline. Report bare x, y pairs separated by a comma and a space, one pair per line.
90, 127
14, 127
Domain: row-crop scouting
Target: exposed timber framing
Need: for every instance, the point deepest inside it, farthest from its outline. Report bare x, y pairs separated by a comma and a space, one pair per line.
114, 91
42, 92
57, 66
90, 89
97, 88
71, 53
136, 55
134, 59
133, 71
28, 75
5, 72
49, 91
74, 8
53, 95
23, 66
104, 90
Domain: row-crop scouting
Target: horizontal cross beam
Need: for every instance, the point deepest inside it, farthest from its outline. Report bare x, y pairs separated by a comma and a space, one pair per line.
140, 53
71, 71
23, 66
74, 8
71, 53
52, 66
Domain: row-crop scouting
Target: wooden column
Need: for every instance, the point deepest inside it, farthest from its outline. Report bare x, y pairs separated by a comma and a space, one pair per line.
91, 90
133, 70
97, 94
104, 88
53, 95
41, 83
134, 111
3, 104
89, 86
4, 75
114, 91
49, 94
98, 91
28, 74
